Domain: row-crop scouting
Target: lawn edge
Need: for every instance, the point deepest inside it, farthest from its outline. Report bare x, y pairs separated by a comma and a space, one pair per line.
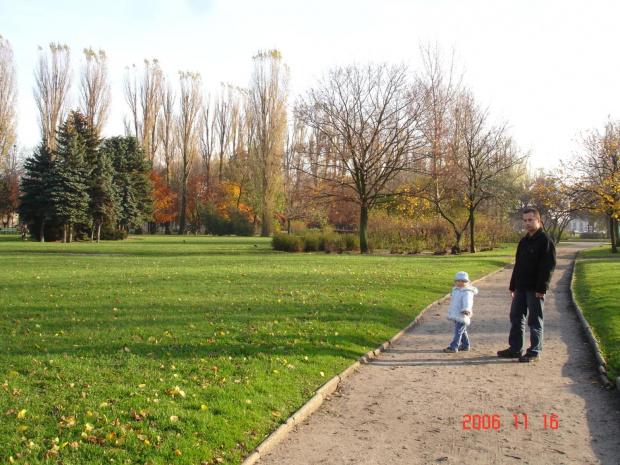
602, 364
331, 386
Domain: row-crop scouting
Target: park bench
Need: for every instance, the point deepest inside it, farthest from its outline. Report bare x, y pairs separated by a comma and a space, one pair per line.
8, 231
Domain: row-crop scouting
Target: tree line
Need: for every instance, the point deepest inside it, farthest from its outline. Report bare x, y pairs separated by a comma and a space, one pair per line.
383, 138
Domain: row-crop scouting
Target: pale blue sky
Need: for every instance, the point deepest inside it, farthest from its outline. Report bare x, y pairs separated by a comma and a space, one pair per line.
549, 67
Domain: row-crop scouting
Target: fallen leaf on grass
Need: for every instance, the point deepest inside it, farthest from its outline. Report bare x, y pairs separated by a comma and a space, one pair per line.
175, 392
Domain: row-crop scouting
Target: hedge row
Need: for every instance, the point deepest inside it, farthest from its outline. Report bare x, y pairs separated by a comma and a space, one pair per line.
315, 241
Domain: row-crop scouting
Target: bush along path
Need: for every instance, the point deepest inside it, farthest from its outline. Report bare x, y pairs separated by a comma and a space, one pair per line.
416, 404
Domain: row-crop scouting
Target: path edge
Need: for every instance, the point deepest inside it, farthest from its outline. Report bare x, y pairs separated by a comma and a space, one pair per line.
602, 364
331, 386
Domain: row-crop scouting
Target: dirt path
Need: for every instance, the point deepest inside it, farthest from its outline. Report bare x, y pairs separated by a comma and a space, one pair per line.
409, 405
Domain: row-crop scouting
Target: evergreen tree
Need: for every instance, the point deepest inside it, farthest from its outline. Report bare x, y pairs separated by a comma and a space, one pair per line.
71, 173
34, 203
132, 170
105, 200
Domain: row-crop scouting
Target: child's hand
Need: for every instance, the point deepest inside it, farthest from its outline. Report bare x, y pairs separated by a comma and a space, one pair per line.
465, 312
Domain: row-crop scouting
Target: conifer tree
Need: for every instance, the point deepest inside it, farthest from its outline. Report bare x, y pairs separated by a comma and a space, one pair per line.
71, 173
105, 201
131, 177
34, 204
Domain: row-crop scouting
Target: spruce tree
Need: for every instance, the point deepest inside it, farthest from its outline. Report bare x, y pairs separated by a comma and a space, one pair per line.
71, 173
132, 170
34, 203
105, 199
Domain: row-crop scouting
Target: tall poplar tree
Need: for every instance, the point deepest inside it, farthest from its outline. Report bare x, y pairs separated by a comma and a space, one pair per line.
266, 113
8, 101
53, 83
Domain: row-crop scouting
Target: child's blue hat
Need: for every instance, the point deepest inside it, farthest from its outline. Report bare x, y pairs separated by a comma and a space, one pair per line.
462, 276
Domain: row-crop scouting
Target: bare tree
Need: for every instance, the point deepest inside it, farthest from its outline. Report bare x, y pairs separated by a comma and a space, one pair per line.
95, 94
266, 113
437, 184
189, 113
370, 118
207, 138
8, 102
166, 126
133, 124
223, 121
143, 95
594, 175
296, 182
53, 82
482, 153
151, 102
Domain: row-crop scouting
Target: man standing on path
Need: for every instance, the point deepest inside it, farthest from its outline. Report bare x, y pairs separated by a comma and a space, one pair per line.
534, 265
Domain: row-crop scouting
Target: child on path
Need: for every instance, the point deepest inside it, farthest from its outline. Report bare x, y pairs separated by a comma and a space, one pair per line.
461, 310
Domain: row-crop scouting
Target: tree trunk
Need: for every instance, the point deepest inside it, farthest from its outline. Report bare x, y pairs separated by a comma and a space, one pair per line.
613, 236
617, 229
457, 247
64, 233
42, 232
472, 230
267, 221
363, 224
167, 228
98, 232
183, 207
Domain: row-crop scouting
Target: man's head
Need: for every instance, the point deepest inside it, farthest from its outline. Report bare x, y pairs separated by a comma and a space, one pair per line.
531, 219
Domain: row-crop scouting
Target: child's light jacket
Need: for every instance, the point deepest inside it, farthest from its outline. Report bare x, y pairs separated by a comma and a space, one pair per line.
462, 299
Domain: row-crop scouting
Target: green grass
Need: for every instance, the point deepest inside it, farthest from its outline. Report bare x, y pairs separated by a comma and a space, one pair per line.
187, 349
596, 289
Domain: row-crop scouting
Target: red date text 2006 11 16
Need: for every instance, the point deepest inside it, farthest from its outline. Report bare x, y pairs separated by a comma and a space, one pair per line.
520, 421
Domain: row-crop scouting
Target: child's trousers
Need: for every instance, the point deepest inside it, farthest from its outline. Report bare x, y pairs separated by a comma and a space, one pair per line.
461, 339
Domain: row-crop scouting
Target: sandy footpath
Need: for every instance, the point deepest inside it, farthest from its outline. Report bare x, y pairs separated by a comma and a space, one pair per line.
411, 404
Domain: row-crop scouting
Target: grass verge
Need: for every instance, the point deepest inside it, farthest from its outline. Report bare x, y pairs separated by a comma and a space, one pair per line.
597, 274
187, 350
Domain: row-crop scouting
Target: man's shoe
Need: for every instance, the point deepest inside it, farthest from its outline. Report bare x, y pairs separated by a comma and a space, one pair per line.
449, 351
507, 353
527, 358
463, 349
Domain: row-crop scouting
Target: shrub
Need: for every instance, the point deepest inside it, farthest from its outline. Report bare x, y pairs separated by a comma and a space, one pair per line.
593, 235
333, 243
240, 224
287, 243
312, 240
112, 233
213, 221
351, 242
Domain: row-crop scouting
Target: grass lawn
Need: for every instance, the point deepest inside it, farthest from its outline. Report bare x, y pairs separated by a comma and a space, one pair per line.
188, 349
596, 291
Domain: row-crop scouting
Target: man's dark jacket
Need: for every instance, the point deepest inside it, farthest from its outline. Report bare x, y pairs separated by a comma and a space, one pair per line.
535, 262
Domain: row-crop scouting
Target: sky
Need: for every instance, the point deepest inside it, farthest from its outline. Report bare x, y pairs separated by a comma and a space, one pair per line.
548, 68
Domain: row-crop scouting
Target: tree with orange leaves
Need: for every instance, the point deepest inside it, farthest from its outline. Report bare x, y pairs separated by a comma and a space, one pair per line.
164, 201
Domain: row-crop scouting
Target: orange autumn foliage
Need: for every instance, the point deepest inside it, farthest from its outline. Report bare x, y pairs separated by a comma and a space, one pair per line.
164, 199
